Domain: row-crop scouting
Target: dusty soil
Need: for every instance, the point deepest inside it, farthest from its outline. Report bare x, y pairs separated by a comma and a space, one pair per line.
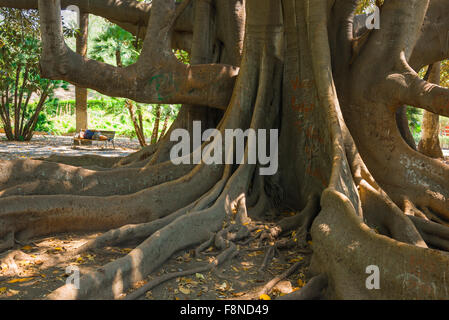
40, 266
47, 145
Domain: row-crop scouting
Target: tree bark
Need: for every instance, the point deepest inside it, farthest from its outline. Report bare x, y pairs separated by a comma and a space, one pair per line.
381, 203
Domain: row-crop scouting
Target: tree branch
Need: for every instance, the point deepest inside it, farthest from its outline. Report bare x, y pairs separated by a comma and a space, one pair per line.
157, 76
126, 11
433, 42
131, 15
426, 95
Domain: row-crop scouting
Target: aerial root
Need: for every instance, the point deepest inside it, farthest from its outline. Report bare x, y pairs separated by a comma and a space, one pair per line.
131, 232
431, 216
139, 156
313, 290
385, 216
411, 210
227, 254
114, 278
273, 282
300, 222
206, 244
54, 179
84, 161
268, 257
223, 240
434, 234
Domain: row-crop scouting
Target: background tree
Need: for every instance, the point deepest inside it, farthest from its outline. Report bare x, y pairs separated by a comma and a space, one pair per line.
81, 93
359, 192
20, 79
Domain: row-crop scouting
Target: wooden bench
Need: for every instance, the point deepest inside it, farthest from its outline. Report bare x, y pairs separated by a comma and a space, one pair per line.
110, 135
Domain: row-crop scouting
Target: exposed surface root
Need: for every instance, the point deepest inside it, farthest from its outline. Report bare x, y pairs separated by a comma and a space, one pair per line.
381, 213
131, 232
51, 214
222, 257
313, 290
434, 234
51, 178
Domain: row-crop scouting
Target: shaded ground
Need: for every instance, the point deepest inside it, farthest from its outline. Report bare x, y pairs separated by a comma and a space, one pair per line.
34, 269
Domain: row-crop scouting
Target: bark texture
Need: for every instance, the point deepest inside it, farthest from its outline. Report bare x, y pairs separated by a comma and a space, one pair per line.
362, 194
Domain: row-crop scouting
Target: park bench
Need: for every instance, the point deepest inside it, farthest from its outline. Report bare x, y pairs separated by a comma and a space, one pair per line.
110, 135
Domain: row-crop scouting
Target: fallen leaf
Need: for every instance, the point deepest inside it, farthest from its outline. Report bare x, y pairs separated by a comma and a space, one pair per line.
27, 248
79, 260
3, 290
255, 253
19, 280
235, 269
264, 297
12, 292
238, 294
296, 260
223, 287
184, 290
200, 276
90, 257
301, 283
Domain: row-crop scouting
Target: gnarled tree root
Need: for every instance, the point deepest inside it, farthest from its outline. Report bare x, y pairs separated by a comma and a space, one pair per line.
313, 290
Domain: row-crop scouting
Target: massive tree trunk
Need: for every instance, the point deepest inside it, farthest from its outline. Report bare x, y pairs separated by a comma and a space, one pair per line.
366, 197
430, 139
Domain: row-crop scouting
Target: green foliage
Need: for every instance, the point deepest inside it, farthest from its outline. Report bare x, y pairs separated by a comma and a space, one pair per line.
182, 56
113, 41
20, 78
106, 114
366, 6
414, 116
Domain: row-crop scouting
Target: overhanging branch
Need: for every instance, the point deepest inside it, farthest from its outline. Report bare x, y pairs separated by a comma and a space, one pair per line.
157, 77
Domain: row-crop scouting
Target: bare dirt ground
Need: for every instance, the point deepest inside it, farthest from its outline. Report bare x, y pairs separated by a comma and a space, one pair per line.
46, 145
34, 269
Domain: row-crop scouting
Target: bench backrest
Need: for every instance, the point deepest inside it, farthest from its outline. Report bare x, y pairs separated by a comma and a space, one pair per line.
108, 134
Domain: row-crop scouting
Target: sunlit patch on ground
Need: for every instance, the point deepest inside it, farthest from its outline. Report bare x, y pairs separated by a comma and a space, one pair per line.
34, 269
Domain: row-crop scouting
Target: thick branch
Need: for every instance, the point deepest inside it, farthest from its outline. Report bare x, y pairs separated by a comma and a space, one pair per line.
429, 96
157, 77
126, 11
